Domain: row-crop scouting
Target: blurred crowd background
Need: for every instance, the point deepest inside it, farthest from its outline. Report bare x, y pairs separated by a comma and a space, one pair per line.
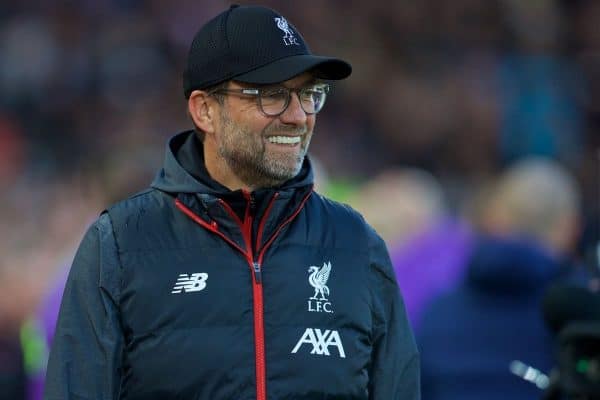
444, 97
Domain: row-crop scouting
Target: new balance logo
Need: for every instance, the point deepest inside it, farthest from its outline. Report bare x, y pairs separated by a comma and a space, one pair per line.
320, 341
190, 283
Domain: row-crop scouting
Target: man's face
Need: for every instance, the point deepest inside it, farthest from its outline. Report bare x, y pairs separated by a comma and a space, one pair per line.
264, 151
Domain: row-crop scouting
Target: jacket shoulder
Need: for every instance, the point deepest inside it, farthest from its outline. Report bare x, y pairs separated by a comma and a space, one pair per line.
349, 226
136, 219
143, 195
339, 211
355, 224
348, 216
144, 201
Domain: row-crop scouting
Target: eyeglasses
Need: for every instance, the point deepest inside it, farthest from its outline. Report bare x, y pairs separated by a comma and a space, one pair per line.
273, 101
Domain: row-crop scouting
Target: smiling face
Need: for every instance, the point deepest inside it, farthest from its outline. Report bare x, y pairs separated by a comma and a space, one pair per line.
256, 150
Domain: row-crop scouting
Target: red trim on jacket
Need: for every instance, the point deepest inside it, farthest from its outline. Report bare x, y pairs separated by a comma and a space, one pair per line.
255, 267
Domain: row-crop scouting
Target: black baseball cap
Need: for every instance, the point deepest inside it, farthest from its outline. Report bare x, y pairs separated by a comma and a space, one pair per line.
253, 44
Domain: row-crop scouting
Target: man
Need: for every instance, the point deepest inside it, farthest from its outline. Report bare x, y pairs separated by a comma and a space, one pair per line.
230, 278
472, 336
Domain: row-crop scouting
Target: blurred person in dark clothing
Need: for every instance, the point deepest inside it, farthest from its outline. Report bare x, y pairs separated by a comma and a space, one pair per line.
230, 278
469, 336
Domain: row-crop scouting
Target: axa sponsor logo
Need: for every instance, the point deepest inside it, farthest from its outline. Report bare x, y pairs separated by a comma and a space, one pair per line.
321, 341
190, 283
318, 278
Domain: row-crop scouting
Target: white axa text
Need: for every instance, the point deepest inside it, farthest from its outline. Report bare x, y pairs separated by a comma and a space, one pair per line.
320, 341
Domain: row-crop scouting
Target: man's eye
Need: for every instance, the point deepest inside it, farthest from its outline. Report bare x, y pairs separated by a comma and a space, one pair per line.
274, 94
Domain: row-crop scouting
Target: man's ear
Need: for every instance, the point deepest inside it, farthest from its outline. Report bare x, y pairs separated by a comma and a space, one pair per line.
202, 110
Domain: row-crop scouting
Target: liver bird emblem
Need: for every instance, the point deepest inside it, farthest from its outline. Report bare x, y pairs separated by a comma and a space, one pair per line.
288, 37
318, 279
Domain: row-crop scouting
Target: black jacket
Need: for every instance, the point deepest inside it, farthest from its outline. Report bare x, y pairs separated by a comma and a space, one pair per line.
191, 291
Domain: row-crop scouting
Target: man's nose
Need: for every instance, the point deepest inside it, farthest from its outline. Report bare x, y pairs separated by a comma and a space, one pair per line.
294, 114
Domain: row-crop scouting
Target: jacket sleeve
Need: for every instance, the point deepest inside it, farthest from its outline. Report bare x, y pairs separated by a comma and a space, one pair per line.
85, 357
395, 371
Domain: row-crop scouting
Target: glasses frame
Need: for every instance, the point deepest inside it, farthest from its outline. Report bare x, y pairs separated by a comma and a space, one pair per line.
258, 94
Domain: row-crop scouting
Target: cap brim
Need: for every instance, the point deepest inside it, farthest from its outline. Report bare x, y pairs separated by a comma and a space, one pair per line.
286, 68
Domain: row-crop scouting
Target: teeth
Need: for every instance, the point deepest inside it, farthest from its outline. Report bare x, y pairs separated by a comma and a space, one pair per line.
284, 139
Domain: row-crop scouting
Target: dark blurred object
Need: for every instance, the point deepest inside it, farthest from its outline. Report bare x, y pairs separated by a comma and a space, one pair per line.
12, 373
565, 304
574, 314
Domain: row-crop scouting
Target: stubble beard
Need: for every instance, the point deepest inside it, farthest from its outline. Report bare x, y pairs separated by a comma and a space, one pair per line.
245, 154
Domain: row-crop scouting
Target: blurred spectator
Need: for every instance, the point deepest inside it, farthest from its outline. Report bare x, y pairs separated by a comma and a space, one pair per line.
401, 202
537, 199
470, 335
541, 113
427, 244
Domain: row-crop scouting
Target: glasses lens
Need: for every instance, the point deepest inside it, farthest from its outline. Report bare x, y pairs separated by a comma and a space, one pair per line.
312, 98
274, 101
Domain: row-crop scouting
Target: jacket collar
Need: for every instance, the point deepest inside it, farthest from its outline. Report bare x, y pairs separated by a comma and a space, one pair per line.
184, 171
185, 177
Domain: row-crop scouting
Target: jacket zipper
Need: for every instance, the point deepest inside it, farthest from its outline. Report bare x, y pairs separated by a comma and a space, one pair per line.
257, 295
256, 270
